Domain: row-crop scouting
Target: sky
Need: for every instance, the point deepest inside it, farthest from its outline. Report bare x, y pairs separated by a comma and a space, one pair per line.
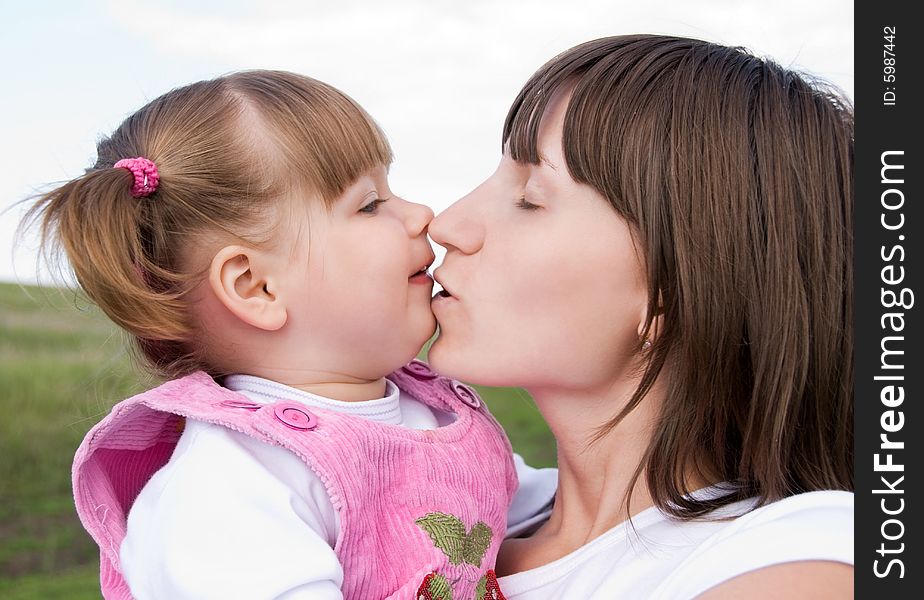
438, 75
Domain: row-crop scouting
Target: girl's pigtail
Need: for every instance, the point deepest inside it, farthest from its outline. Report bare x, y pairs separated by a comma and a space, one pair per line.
100, 225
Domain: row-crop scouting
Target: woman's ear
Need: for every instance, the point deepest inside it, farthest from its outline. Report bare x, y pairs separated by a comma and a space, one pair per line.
243, 281
656, 325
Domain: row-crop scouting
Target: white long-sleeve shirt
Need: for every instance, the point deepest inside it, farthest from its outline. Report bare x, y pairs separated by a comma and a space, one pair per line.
232, 517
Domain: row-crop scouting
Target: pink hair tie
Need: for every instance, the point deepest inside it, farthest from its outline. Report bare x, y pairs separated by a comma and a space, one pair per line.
145, 174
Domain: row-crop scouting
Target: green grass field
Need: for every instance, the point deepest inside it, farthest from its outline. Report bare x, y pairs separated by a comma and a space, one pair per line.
62, 366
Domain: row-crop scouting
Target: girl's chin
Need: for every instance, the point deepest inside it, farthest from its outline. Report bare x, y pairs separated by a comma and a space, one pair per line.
425, 332
441, 357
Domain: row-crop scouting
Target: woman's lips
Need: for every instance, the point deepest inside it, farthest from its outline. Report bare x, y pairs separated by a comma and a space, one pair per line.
443, 299
442, 302
444, 293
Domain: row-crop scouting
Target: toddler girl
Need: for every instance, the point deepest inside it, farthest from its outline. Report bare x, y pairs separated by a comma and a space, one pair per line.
243, 232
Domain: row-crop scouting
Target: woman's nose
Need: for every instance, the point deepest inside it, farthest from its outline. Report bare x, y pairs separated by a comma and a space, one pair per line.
459, 227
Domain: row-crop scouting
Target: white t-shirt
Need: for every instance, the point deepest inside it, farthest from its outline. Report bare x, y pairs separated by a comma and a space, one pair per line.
667, 559
232, 517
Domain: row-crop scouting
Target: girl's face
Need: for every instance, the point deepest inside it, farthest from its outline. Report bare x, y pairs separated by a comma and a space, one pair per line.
358, 288
546, 288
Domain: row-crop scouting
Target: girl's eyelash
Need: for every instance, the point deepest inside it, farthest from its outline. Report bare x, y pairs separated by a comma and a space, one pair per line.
372, 206
522, 203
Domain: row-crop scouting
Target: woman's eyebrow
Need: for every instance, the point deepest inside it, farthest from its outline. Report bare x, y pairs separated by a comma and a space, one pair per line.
547, 162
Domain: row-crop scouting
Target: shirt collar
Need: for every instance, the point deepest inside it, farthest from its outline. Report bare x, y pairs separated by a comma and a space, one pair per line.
265, 391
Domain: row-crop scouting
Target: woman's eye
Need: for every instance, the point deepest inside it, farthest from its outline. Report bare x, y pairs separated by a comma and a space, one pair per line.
373, 206
522, 203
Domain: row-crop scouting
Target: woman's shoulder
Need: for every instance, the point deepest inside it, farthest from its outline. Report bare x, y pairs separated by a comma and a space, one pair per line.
807, 501
812, 510
805, 527
657, 556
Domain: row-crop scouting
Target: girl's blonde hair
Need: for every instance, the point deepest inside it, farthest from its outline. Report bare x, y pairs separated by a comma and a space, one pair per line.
227, 151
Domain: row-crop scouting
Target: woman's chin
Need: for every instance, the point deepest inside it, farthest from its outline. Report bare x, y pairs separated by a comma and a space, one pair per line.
450, 360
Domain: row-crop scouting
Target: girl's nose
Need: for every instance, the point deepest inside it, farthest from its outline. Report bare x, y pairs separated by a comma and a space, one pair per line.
459, 227
417, 217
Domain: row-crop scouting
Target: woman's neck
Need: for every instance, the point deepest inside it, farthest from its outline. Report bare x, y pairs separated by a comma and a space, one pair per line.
596, 477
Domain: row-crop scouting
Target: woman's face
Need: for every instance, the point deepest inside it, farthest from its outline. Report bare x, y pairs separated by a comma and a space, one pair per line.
546, 287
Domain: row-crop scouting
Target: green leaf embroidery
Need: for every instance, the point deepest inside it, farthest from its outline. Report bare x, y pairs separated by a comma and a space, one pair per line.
440, 588
482, 588
447, 533
476, 544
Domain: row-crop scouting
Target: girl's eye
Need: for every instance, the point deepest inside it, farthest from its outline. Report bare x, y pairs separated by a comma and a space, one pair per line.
372, 207
522, 203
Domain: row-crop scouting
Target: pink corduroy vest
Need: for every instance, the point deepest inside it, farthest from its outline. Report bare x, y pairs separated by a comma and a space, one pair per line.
422, 512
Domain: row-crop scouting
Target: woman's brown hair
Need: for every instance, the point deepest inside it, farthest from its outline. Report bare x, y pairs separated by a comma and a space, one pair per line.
227, 150
736, 176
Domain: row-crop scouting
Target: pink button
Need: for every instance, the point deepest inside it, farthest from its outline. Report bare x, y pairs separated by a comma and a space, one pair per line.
420, 370
295, 416
240, 404
465, 394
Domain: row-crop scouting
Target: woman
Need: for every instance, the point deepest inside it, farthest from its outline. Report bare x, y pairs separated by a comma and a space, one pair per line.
663, 260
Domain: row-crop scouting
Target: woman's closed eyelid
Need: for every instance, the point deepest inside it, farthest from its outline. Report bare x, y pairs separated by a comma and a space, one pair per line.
529, 196
525, 204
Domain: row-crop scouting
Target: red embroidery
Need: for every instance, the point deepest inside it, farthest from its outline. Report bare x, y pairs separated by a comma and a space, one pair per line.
493, 591
423, 592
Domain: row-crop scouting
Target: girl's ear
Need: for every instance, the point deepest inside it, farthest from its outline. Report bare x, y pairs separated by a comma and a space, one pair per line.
243, 281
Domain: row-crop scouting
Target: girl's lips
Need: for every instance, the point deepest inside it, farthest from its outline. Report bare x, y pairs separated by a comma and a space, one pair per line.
422, 278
